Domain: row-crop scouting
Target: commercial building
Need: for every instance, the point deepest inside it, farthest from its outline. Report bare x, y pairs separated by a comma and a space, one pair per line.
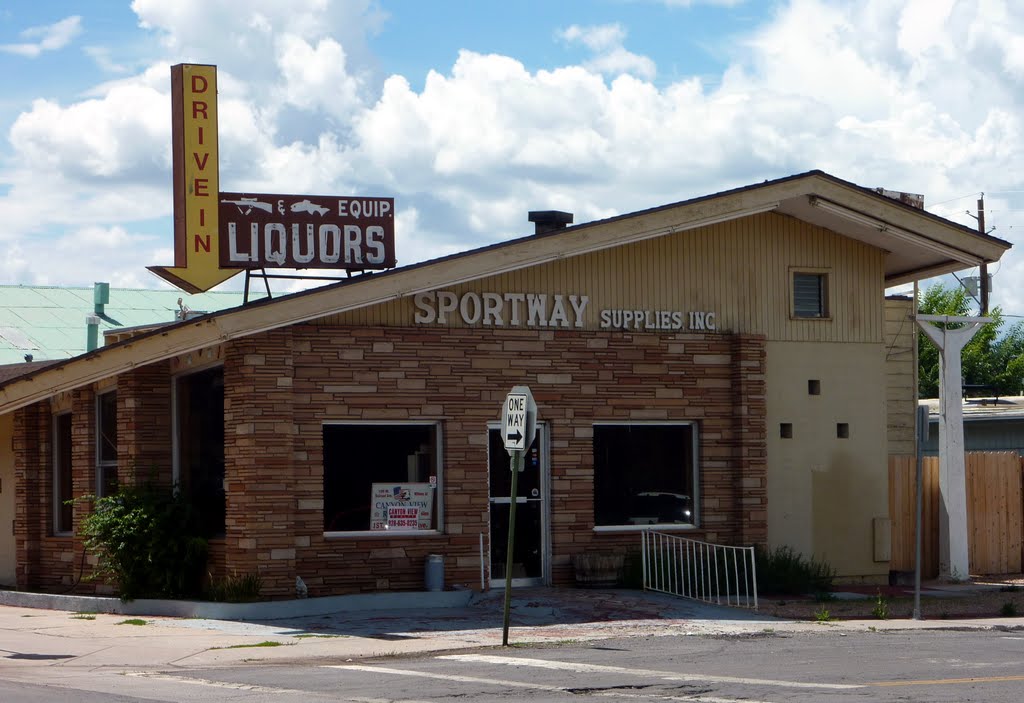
718, 367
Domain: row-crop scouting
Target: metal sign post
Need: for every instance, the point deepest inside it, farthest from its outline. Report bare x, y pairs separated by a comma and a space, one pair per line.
518, 429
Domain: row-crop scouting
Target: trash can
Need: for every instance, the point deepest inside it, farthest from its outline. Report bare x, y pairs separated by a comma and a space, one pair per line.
433, 572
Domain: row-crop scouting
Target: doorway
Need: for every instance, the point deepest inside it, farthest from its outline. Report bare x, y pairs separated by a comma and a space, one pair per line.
531, 549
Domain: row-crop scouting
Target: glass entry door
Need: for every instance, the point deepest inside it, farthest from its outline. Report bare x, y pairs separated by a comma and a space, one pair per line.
531, 547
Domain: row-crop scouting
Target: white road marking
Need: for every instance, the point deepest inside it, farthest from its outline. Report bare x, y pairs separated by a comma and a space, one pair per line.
534, 686
447, 677
665, 675
255, 688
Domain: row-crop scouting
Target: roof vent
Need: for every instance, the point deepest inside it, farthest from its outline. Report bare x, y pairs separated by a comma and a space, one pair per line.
549, 220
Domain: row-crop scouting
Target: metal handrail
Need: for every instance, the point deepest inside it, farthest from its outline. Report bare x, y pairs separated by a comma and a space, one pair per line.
712, 573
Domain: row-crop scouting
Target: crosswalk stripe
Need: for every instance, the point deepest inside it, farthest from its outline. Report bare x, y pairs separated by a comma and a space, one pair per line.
665, 675
535, 686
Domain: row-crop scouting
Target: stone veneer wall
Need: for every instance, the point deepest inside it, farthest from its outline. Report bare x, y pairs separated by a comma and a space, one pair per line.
282, 385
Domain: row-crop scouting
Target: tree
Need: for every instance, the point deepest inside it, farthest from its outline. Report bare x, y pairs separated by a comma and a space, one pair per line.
988, 359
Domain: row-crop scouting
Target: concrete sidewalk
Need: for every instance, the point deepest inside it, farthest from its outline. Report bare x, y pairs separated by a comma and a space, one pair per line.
34, 637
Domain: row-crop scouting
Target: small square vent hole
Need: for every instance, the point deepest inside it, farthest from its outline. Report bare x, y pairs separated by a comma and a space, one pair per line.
814, 387
843, 430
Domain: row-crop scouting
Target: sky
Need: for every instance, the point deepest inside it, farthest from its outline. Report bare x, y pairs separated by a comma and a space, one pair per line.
472, 113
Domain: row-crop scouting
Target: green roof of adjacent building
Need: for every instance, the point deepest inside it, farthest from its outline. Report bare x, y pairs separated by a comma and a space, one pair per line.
49, 322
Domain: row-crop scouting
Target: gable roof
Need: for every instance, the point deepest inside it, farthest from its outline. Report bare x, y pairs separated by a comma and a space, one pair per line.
918, 245
48, 322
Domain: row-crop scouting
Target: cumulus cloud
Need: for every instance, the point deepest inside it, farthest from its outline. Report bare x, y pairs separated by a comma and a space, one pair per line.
47, 38
923, 96
610, 57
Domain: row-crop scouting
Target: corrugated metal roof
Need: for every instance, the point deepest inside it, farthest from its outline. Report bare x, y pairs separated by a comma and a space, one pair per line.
48, 322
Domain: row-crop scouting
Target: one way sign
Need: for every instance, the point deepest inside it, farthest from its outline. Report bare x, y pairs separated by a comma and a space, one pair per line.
518, 419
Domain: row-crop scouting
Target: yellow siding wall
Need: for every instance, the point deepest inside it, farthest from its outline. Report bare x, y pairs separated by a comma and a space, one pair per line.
901, 374
740, 270
823, 491
7, 554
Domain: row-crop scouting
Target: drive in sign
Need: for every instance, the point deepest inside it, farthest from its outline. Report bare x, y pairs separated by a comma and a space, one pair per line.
259, 230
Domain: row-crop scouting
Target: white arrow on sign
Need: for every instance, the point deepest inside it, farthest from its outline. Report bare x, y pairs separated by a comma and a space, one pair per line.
515, 422
518, 419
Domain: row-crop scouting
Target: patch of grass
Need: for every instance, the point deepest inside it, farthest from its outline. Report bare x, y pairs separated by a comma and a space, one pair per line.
265, 643
236, 588
784, 571
1009, 609
881, 609
822, 614
83, 616
133, 621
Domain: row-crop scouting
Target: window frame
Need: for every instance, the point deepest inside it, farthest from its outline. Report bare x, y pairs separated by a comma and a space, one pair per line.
825, 302
694, 458
58, 499
438, 426
102, 465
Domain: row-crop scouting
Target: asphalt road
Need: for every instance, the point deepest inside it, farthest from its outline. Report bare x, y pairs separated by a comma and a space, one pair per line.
919, 665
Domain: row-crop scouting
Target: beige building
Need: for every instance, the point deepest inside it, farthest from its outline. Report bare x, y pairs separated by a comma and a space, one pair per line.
726, 368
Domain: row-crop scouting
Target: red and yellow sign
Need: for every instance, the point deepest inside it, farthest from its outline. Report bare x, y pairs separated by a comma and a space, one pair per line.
196, 181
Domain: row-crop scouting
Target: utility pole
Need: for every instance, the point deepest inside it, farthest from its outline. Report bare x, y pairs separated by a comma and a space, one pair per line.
984, 264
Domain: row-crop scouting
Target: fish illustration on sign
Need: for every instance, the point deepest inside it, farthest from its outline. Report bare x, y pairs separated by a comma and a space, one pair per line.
308, 206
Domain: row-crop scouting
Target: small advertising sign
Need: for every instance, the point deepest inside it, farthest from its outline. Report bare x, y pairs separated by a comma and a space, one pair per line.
260, 230
402, 506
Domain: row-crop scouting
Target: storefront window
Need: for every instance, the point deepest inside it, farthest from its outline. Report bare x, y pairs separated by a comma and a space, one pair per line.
199, 398
62, 474
645, 474
106, 444
381, 478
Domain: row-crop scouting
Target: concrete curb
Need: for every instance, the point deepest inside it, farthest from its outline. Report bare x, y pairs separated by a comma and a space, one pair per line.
267, 610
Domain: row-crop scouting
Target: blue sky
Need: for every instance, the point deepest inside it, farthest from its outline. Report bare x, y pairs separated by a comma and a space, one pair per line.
472, 113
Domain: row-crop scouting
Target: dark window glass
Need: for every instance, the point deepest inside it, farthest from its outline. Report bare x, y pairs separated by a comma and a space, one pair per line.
809, 295
62, 487
380, 477
106, 444
200, 401
644, 474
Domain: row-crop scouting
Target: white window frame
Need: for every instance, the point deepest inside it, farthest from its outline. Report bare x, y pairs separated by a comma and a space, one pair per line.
695, 451
102, 464
57, 531
438, 489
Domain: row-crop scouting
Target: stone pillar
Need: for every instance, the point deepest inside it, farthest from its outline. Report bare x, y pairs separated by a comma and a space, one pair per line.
259, 434
144, 425
33, 485
750, 416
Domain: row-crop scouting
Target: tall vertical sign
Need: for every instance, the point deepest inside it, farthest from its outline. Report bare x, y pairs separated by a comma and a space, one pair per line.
196, 181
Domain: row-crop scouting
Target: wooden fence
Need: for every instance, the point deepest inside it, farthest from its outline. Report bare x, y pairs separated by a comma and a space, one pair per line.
995, 513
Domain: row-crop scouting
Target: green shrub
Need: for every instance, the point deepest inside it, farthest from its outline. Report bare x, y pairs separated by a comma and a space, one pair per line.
1009, 609
235, 588
881, 609
822, 615
783, 571
147, 541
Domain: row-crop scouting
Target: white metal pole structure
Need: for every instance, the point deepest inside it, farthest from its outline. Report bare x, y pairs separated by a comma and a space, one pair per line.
953, 554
